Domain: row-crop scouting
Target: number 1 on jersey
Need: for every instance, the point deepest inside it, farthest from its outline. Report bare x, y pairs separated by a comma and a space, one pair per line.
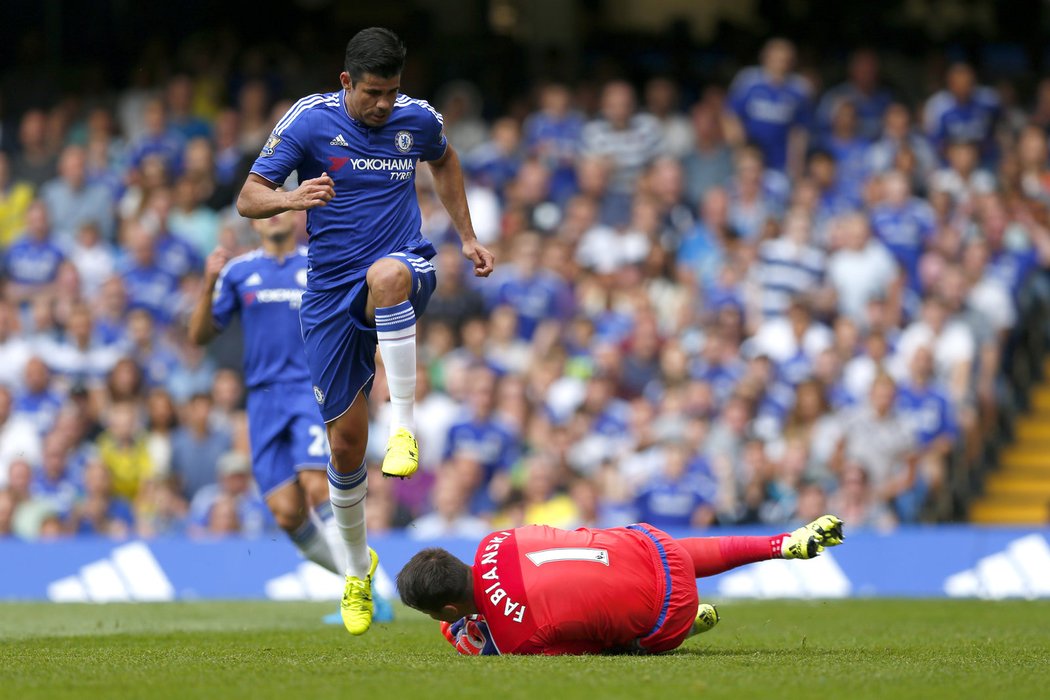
546, 556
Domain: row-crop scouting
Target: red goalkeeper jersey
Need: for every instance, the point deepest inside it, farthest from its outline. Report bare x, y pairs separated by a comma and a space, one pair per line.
549, 591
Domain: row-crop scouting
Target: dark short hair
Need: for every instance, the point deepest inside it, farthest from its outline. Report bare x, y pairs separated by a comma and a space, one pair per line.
376, 51
432, 579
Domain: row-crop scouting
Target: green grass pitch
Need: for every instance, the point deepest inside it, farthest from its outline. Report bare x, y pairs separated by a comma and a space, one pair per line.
827, 650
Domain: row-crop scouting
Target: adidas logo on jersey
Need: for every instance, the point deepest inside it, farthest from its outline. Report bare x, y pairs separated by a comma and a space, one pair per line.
254, 280
338, 141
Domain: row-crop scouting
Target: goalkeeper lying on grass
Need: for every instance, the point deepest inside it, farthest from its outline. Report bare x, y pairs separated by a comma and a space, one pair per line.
540, 590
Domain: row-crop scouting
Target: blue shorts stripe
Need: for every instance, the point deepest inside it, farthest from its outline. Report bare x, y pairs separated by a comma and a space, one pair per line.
667, 577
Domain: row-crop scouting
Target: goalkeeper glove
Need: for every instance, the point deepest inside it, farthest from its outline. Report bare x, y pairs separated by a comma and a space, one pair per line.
470, 636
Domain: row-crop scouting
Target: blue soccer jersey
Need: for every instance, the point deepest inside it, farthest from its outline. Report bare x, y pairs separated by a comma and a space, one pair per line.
33, 262
266, 292
374, 212
284, 428
905, 231
947, 119
929, 411
769, 110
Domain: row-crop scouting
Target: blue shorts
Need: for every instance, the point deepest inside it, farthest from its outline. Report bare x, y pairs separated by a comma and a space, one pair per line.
341, 343
286, 434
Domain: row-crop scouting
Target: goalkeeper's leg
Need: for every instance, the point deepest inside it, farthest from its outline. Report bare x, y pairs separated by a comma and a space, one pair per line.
713, 555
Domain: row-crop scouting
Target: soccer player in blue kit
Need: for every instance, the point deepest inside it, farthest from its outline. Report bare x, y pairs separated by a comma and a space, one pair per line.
369, 273
289, 450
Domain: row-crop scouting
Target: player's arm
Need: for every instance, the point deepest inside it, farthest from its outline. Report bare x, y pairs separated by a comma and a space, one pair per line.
202, 326
448, 183
261, 199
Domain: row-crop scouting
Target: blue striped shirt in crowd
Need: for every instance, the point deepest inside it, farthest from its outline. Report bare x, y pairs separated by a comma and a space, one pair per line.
787, 270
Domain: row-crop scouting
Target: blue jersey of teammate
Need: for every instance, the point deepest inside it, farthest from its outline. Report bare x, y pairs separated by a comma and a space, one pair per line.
905, 230
374, 212
929, 411
266, 292
769, 110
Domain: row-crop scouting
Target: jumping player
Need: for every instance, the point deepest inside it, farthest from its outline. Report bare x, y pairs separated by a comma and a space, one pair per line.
289, 450
540, 590
369, 276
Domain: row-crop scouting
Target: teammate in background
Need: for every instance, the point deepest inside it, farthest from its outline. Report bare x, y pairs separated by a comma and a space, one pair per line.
540, 590
370, 276
289, 450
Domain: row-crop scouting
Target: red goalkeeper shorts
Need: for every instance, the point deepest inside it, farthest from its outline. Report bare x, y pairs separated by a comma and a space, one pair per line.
678, 598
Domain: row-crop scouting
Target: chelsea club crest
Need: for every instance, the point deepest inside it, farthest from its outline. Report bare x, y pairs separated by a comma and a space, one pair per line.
403, 141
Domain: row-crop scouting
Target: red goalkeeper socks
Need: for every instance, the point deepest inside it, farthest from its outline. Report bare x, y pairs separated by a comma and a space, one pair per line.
713, 555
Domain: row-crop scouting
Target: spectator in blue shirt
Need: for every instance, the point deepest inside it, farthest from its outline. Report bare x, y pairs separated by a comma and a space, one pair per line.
862, 88
537, 294
72, 200
37, 403
196, 447
756, 194
52, 481
554, 135
930, 412
899, 135
157, 360
480, 433
235, 483
99, 511
173, 253
158, 139
148, 286
80, 359
678, 497
904, 224
710, 162
849, 149
32, 262
771, 107
179, 99
495, 162
964, 111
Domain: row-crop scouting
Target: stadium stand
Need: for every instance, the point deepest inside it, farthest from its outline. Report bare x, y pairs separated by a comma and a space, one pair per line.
747, 303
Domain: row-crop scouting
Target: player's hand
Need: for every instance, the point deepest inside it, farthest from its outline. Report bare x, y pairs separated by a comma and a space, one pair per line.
217, 260
315, 192
470, 636
478, 254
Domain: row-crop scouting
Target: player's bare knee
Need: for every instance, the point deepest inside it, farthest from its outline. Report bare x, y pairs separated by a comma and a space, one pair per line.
348, 451
389, 282
289, 519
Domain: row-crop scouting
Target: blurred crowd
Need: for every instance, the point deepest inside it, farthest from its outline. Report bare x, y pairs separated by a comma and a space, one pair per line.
777, 299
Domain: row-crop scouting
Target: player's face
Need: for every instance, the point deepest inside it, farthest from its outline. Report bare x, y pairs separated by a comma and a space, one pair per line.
371, 98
